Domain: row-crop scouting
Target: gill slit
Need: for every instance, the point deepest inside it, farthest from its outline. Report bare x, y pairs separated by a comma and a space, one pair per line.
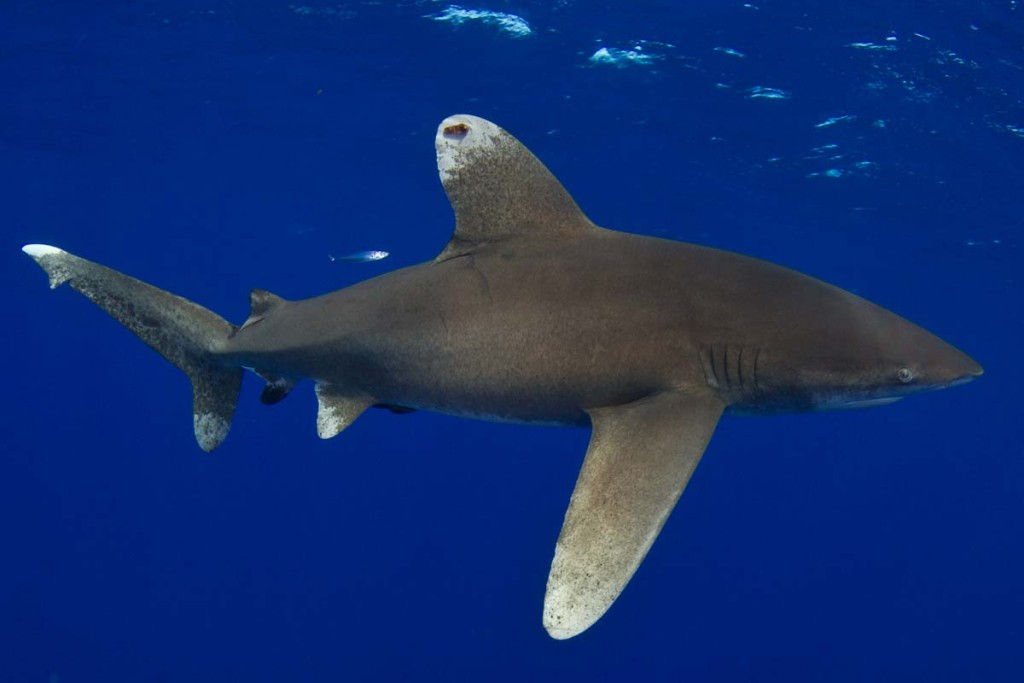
725, 366
714, 370
757, 357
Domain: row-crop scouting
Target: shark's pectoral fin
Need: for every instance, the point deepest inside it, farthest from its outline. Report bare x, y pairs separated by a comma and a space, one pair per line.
498, 189
640, 457
337, 410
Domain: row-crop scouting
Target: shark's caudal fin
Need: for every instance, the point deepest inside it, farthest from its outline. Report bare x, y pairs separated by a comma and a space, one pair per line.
184, 333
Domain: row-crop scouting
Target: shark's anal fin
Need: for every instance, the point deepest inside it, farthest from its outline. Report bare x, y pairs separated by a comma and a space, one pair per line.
337, 410
640, 457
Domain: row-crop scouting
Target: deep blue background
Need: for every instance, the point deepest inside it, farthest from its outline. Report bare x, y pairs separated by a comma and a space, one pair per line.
209, 147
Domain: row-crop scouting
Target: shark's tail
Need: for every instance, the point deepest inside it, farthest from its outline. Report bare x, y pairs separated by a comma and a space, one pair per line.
184, 333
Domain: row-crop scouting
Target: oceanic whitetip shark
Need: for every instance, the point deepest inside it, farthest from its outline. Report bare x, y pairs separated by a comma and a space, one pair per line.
534, 314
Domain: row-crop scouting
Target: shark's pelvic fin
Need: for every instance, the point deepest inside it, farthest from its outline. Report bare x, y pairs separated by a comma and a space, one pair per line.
184, 333
640, 457
498, 189
276, 389
337, 410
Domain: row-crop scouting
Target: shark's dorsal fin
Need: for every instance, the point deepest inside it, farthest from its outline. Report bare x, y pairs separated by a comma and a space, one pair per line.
498, 189
640, 457
261, 303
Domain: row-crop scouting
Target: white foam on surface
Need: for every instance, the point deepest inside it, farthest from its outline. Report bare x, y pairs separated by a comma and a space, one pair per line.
512, 24
307, 11
618, 57
833, 120
762, 92
865, 45
730, 51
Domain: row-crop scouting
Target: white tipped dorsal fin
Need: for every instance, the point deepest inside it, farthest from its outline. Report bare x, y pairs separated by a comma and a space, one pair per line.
337, 411
498, 189
640, 457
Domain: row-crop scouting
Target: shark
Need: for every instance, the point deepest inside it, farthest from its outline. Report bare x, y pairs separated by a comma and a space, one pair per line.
532, 313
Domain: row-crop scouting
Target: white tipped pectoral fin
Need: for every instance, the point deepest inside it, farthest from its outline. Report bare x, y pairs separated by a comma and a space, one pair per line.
640, 457
337, 410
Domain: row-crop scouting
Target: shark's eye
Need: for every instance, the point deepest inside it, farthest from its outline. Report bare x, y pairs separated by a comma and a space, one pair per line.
904, 375
456, 130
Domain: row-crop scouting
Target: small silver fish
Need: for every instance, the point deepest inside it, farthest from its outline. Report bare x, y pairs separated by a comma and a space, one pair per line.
361, 256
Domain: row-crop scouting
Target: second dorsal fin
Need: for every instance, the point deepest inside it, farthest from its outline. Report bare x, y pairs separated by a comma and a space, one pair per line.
261, 303
498, 189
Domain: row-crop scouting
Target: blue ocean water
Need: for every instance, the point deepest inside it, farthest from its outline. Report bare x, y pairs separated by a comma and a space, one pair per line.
209, 146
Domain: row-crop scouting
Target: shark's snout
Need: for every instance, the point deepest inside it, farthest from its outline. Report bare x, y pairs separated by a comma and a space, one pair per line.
973, 368
944, 365
962, 368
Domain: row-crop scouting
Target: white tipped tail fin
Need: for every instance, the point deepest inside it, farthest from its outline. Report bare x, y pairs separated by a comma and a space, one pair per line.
184, 333
49, 260
37, 250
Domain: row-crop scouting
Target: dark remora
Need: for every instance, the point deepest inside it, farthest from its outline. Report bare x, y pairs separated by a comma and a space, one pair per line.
534, 314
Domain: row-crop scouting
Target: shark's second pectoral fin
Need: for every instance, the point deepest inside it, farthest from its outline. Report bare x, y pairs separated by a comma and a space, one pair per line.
337, 409
640, 457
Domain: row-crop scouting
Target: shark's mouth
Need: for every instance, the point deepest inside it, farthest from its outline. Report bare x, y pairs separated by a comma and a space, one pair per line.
958, 382
858, 403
